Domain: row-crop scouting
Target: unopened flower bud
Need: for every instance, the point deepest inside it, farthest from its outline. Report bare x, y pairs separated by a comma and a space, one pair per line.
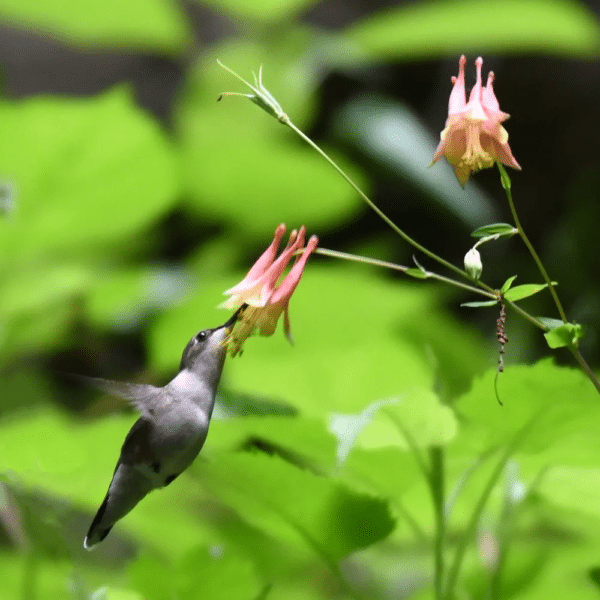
473, 264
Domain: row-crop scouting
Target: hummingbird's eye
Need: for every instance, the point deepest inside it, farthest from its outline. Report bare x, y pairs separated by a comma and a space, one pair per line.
201, 336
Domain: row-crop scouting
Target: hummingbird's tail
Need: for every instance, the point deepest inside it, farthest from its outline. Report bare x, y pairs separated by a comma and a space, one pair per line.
127, 488
96, 534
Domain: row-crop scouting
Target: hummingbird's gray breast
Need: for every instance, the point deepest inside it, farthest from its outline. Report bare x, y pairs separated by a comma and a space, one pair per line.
175, 438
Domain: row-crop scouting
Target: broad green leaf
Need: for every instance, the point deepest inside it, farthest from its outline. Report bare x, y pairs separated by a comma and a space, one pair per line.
87, 171
294, 505
299, 439
524, 291
566, 334
466, 26
263, 10
240, 163
417, 417
561, 404
494, 229
479, 304
41, 285
135, 24
506, 285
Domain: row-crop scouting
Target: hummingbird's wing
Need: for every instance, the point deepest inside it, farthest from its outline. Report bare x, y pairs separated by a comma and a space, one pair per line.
147, 399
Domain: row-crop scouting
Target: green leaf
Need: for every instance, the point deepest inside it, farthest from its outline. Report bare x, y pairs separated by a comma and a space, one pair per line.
562, 401
135, 24
506, 285
524, 291
263, 10
417, 415
494, 229
294, 505
479, 304
437, 28
566, 334
87, 171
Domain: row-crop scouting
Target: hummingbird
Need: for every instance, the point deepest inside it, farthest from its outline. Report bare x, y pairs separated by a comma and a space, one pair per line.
171, 430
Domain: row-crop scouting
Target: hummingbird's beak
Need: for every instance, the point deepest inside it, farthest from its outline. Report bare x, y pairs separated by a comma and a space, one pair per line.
234, 317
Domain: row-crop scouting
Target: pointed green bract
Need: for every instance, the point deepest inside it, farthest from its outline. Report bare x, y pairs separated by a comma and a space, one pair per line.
494, 229
506, 285
480, 303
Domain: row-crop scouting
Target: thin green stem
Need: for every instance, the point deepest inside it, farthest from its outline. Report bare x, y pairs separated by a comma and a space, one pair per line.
534, 254
585, 367
436, 483
372, 205
403, 269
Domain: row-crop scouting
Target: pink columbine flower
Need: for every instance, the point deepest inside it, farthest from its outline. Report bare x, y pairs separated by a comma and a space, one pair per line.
264, 299
474, 138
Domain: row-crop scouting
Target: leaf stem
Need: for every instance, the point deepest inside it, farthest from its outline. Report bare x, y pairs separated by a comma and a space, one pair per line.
403, 269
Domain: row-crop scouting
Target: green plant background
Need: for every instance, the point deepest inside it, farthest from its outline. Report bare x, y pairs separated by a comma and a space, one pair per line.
121, 229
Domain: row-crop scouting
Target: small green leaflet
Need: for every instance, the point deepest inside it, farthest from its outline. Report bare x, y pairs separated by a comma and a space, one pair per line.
418, 273
494, 229
524, 291
480, 303
507, 284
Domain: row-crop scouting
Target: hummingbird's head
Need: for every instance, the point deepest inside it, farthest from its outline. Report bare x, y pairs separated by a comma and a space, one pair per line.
206, 351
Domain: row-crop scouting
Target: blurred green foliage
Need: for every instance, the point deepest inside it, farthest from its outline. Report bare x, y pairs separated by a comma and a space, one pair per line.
315, 479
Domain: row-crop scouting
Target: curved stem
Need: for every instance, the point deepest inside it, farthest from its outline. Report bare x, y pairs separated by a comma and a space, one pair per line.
372, 205
573, 349
506, 185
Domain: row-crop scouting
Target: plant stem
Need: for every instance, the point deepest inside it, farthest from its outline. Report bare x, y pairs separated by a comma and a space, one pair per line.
573, 349
395, 267
436, 483
476, 514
